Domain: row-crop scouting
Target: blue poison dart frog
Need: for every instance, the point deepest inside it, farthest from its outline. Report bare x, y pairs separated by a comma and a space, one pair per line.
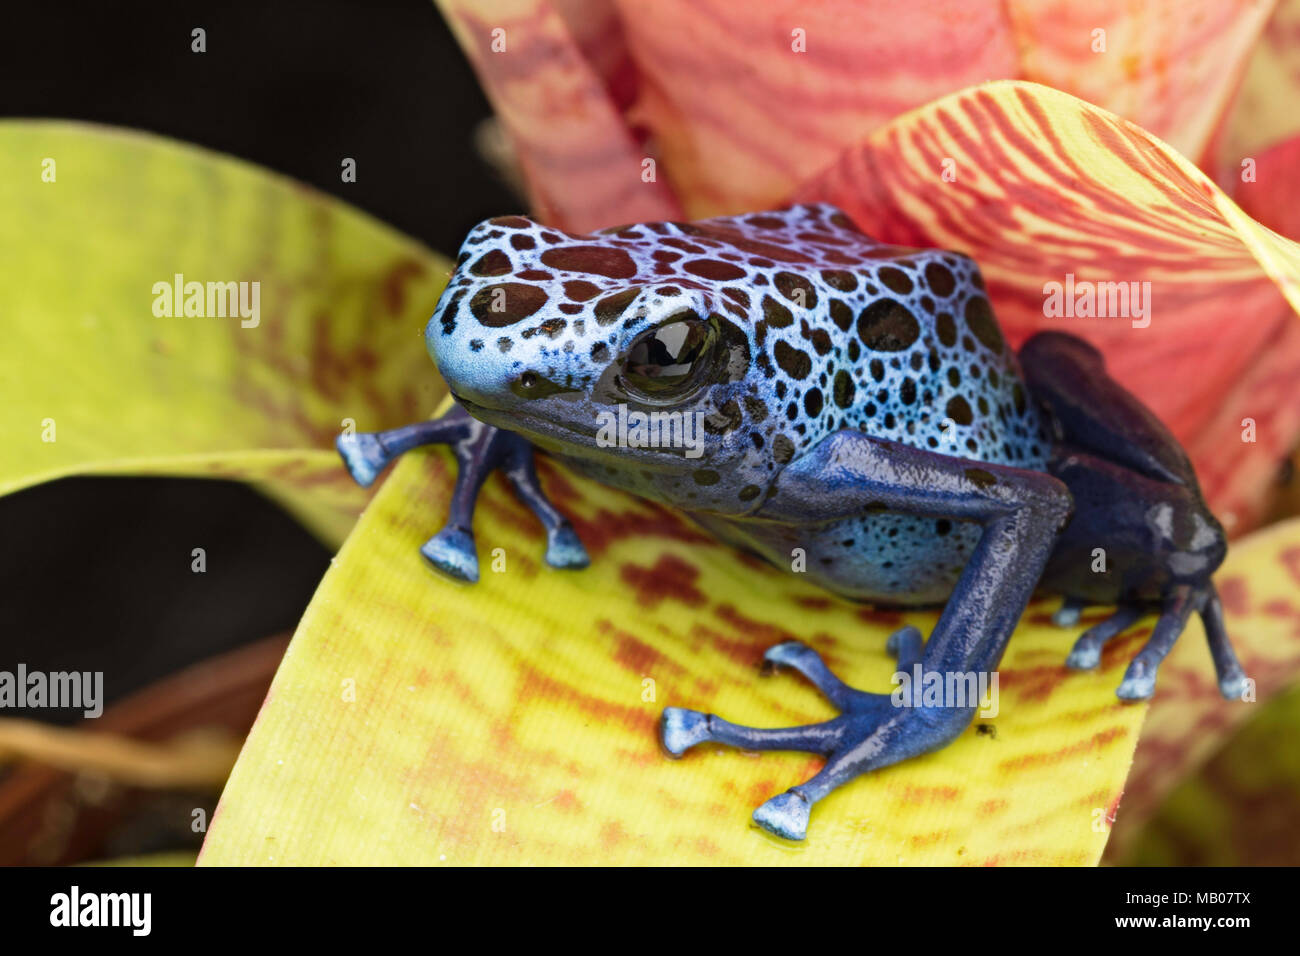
859, 402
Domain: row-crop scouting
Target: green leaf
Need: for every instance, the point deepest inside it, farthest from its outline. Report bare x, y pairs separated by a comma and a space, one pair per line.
94, 218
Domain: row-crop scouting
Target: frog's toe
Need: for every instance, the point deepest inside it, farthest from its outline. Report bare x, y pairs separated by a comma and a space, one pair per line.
1139, 682
906, 645
682, 729
1083, 658
1068, 614
364, 456
802, 658
451, 552
787, 654
785, 815
564, 548
1086, 653
1233, 682
1140, 679
1233, 685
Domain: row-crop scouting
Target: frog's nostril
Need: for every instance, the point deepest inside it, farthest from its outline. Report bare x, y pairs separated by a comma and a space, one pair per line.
531, 385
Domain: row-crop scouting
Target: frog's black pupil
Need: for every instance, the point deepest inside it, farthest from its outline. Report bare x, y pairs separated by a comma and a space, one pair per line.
528, 380
665, 358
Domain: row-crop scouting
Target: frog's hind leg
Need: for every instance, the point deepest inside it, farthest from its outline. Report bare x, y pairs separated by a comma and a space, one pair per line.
1232, 679
1096, 413
1160, 547
1140, 678
480, 449
1138, 502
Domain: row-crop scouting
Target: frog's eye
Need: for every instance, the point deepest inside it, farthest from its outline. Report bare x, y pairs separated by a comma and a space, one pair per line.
669, 360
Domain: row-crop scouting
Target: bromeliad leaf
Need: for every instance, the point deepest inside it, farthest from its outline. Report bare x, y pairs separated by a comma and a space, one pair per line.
583, 165
416, 720
97, 381
1045, 191
742, 102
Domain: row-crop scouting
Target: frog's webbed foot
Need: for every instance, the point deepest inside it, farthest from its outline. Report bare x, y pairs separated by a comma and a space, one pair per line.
872, 730
850, 473
480, 449
1140, 679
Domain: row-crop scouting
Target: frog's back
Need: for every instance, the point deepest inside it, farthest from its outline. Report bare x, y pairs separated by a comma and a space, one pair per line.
825, 329
896, 342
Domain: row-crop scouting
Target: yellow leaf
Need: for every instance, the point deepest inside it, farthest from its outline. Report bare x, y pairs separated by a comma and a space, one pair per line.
415, 720
95, 382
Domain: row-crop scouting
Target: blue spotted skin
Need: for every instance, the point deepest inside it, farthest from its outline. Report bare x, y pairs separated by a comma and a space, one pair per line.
865, 423
801, 297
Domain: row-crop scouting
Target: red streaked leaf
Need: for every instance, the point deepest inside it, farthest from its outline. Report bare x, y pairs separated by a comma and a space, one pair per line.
743, 101
598, 32
582, 164
1171, 66
1044, 186
740, 117
1273, 196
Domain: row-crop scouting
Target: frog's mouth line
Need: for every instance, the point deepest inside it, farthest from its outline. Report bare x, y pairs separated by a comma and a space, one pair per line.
516, 421
532, 427
558, 437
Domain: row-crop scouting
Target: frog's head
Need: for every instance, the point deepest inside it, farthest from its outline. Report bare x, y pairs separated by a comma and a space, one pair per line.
687, 362
581, 345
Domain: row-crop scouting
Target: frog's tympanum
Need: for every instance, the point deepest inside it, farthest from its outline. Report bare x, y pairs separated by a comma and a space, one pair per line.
857, 404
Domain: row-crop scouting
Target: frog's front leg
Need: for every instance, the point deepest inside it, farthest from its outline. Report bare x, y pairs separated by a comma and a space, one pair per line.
480, 449
851, 474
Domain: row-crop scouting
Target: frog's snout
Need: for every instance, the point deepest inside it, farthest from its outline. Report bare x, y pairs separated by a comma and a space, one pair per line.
501, 390
474, 377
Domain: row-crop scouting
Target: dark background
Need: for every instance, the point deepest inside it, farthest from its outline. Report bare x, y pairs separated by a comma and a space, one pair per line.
95, 572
